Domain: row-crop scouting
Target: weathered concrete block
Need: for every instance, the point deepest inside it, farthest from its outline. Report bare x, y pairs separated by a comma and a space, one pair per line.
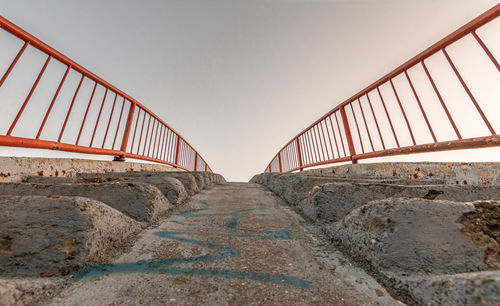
13, 169
294, 188
200, 180
171, 187
331, 202
143, 202
478, 288
45, 236
482, 173
186, 178
219, 179
400, 237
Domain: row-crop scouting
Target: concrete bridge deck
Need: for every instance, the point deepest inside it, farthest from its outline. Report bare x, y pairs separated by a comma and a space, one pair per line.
378, 234
231, 244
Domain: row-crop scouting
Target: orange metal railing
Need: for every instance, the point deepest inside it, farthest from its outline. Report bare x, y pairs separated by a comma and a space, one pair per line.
129, 130
376, 121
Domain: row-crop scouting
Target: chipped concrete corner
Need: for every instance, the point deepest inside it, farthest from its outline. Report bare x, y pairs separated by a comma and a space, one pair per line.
429, 232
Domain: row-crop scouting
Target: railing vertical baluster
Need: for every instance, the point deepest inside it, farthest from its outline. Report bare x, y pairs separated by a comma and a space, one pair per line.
70, 108
403, 111
147, 134
29, 95
340, 133
195, 161
52, 103
177, 150
6, 74
366, 125
388, 117
481, 43
314, 156
478, 108
118, 126
376, 122
334, 137
357, 127
347, 130
126, 131
329, 138
324, 140
86, 113
155, 139
441, 101
135, 131
98, 117
161, 142
315, 138
140, 135
168, 149
279, 161
109, 121
420, 106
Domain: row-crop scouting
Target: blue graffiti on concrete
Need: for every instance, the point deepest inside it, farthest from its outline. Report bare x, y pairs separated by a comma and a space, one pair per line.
166, 265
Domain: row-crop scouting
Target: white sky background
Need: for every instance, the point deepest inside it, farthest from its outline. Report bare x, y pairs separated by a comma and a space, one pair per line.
239, 79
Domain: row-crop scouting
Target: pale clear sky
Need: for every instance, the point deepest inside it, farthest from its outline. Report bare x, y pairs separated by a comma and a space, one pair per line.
238, 79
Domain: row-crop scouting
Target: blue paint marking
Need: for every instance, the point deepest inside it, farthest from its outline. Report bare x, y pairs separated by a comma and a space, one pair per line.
166, 265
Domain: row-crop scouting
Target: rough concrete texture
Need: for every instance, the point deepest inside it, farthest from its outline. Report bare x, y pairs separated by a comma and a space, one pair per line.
328, 199
389, 233
480, 288
233, 244
393, 220
13, 169
141, 201
45, 236
187, 179
171, 188
331, 202
25, 291
452, 173
421, 247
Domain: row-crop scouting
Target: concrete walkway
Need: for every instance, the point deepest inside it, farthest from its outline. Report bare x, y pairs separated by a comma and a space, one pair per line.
232, 244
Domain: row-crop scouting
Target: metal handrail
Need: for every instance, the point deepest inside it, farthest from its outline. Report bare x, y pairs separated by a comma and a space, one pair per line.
330, 138
169, 147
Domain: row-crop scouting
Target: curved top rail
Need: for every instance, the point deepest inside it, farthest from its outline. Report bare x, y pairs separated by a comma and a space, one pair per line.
190, 159
314, 145
40, 45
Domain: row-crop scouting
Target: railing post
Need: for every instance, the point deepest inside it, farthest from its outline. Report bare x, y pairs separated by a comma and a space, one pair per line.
195, 160
177, 146
126, 132
300, 153
279, 161
348, 135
